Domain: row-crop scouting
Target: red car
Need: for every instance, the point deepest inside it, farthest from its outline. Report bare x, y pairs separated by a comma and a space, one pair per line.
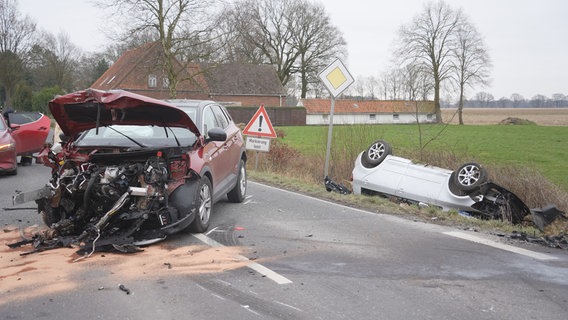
133, 169
25, 134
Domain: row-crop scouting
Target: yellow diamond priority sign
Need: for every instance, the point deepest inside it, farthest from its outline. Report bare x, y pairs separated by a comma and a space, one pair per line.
336, 78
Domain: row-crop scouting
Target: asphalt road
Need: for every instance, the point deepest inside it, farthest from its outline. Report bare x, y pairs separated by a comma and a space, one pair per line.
281, 255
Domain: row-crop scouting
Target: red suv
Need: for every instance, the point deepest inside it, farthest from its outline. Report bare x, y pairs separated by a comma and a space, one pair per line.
132, 169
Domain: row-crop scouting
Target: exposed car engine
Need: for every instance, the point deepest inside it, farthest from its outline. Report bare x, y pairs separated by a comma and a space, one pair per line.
110, 199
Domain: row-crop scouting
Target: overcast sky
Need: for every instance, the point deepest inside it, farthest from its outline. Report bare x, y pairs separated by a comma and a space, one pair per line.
526, 39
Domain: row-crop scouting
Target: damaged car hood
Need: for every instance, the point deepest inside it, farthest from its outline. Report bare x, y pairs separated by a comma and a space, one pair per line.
87, 109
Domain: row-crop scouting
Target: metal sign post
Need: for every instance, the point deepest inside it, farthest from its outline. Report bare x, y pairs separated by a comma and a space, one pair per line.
336, 78
329, 137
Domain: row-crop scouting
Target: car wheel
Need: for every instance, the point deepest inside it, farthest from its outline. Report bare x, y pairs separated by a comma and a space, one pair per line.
204, 205
237, 194
470, 176
375, 154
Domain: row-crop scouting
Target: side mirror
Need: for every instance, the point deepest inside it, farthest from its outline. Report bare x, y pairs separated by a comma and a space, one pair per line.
216, 134
14, 127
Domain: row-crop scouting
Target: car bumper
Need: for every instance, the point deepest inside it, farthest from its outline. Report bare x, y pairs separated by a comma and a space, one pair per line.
8, 161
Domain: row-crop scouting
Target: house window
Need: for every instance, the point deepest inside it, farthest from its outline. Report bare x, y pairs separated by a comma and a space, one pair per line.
165, 82
372, 117
395, 116
152, 81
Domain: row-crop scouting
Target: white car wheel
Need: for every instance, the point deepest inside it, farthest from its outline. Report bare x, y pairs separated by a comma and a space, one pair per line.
470, 177
375, 154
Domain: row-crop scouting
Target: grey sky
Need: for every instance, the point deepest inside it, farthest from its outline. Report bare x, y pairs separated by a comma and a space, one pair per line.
525, 38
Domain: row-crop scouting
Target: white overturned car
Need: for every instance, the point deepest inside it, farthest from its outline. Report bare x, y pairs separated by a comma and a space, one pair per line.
467, 189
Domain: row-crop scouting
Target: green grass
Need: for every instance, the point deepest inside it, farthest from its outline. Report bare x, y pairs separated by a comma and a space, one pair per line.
544, 148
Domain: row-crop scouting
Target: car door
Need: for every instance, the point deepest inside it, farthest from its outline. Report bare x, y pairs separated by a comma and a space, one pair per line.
30, 130
423, 183
386, 177
213, 151
233, 145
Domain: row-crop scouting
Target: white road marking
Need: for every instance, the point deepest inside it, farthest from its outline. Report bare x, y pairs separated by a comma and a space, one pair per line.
248, 199
289, 306
487, 242
218, 296
212, 230
247, 307
279, 279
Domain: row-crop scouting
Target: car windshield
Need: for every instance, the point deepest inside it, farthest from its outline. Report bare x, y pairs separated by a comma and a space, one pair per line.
23, 117
136, 136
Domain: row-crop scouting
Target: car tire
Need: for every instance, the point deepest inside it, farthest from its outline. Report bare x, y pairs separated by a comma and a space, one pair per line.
470, 177
375, 154
238, 193
204, 201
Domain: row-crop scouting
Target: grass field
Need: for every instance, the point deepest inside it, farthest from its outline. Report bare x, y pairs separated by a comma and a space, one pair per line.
541, 116
540, 148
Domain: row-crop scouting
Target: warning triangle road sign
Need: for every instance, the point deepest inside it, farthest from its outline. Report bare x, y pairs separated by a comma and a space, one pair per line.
260, 125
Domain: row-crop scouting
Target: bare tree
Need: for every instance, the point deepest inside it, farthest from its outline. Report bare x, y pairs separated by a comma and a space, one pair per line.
383, 81
182, 27
517, 99
91, 67
416, 84
316, 40
231, 26
538, 101
429, 40
484, 98
558, 99
296, 37
395, 83
16, 37
371, 86
357, 89
471, 61
53, 62
265, 26
16, 32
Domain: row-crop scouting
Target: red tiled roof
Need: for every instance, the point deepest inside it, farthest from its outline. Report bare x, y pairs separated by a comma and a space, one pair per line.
118, 71
131, 70
317, 106
243, 79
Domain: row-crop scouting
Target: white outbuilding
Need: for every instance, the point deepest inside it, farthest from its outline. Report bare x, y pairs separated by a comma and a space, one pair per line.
368, 111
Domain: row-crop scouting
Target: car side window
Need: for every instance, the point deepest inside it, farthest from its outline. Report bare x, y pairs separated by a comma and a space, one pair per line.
221, 117
209, 121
